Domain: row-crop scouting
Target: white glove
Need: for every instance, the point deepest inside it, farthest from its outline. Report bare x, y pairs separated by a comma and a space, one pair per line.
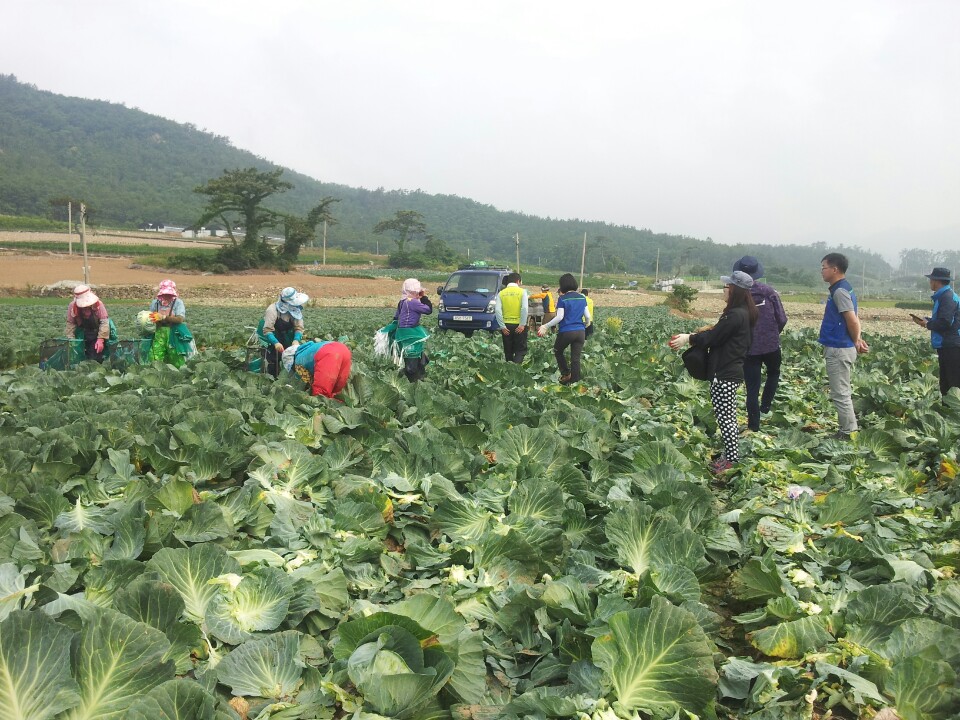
679, 341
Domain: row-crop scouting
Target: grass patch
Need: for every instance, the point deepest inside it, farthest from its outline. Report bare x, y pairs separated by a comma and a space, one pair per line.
30, 223
135, 251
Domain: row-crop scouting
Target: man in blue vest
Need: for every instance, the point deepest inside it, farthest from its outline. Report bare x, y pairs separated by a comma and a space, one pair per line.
944, 327
511, 309
840, 337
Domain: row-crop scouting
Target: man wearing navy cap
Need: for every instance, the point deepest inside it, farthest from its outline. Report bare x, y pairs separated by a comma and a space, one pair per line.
944, 327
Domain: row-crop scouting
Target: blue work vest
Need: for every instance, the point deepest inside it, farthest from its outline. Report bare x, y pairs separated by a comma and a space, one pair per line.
936, 338
833, 329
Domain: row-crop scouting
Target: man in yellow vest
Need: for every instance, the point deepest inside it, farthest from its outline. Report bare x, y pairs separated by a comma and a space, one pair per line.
511, 309
589, 324
549, 302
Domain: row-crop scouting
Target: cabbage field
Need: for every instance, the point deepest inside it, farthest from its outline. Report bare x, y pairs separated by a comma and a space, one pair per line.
209, 543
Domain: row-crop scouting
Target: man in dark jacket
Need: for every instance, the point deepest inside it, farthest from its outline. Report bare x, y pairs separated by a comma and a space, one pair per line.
944, 327
765, 348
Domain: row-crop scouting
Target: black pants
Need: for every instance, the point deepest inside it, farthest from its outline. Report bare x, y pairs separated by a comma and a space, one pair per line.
90, 351
273, 360
514, 343
949, 360
752, 368
415, 368
573, 339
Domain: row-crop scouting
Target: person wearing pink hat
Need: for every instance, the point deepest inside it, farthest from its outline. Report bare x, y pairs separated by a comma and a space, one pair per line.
87, 320
406, 336
172, 341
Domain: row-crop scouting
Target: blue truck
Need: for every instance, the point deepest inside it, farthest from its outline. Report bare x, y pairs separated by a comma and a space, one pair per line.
467, 299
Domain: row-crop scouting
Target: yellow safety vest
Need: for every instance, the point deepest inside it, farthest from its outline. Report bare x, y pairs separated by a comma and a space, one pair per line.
590, 308
549, 300
510, 301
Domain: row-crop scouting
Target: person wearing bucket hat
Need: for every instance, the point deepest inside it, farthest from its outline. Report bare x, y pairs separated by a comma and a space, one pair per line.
88, 320
944, 327
765, 348
323, 365
727, 342
282, 326
841, 340
171, 341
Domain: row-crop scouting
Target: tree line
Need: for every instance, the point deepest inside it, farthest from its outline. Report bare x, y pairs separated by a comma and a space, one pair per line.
134, 167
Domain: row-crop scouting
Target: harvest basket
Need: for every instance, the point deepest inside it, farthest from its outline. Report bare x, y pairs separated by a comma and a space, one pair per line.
60, 354
256, 359
129, 352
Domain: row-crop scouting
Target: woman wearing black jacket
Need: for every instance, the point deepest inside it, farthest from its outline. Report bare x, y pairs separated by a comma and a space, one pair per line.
728, 341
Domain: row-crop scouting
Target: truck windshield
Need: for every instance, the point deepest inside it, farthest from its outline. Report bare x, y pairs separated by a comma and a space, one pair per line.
473, 282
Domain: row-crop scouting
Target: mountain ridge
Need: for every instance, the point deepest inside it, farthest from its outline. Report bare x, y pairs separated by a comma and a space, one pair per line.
132, 167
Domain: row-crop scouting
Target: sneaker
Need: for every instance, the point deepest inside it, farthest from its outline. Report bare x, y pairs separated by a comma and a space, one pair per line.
764, 410
843, 436
566, 379
721, 466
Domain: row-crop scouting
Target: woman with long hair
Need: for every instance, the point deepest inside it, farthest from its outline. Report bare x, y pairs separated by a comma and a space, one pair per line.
728, 342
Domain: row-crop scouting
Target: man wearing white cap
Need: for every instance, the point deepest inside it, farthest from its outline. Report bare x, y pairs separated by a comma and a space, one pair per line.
87, 319
282, 325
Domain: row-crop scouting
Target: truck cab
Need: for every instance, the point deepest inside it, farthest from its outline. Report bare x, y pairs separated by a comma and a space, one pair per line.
468, 298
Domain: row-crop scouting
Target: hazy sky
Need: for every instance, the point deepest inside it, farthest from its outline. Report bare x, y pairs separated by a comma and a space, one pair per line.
753, 121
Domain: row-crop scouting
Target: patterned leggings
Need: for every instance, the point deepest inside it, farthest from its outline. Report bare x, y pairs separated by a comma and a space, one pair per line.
723, 393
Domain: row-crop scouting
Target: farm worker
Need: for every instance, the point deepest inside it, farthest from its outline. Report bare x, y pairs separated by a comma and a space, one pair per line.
511, 310
406, 336
728, 342
944, 327
282, 325
588, 324
323, 365
765, 349
172, 341
840, 337
87, 320
549, 302
571, 316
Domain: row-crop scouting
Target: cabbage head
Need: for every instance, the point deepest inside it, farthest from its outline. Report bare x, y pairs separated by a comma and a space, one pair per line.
393, 671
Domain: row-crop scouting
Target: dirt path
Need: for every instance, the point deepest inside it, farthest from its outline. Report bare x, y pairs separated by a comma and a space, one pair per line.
116, 277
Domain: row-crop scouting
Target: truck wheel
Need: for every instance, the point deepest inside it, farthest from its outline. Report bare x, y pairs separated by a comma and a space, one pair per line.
468, 333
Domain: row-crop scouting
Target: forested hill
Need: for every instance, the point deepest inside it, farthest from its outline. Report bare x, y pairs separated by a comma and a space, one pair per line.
131, 167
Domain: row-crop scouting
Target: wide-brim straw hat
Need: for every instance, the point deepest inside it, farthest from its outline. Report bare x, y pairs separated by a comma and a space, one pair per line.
83, 296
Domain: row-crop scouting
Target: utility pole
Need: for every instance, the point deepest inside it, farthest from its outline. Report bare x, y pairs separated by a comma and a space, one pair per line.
518, 251
583, 257
83, 241
70, 225
656, 272
324, 243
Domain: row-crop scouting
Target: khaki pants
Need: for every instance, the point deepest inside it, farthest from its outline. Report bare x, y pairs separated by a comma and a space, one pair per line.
840, 362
